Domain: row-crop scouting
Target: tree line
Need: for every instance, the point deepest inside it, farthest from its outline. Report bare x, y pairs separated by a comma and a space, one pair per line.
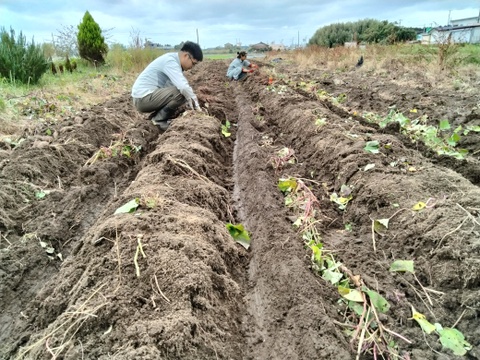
363, 31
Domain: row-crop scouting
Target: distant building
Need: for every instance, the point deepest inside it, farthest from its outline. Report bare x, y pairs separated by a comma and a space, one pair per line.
278, 47
151, 45
466, 31
260, 47
465, 22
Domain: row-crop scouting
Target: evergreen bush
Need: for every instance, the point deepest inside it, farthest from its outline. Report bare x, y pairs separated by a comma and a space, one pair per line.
91, 43
21, 61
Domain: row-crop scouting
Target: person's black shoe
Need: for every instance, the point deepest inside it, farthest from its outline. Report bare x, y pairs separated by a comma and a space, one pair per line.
162, 125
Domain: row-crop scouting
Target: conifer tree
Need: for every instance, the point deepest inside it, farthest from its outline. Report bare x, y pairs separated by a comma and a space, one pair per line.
91, 43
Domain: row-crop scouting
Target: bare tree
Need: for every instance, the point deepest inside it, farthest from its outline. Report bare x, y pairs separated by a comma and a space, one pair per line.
135, 40
65, 41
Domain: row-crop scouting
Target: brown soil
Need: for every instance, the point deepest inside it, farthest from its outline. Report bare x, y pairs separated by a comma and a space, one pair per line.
196, 293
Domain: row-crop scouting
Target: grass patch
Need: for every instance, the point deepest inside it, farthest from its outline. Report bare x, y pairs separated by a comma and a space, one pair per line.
219, 56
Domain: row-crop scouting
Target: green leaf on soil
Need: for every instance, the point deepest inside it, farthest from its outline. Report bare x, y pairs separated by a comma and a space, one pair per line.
239, 234
454, 139
403, 266
426, 326
380, 225
350, 294
475, 128
287, 185
454, 340
226, 128
40, 194
298, 222
444, 125
317, 254
368, 167
341, 201
333, 276
50, 250
378, 300
372, 147
419, 206
356, 307
129, 207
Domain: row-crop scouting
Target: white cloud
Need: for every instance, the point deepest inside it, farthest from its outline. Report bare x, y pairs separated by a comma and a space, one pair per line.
219, 22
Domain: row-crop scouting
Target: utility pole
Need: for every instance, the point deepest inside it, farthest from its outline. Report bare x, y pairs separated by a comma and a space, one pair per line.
198, 42
298, 39
449, 12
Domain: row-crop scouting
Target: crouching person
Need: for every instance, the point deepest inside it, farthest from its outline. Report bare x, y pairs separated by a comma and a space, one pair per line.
161, 87
240, 67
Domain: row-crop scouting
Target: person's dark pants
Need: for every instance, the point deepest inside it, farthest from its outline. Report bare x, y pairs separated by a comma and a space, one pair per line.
169, 98
242, 76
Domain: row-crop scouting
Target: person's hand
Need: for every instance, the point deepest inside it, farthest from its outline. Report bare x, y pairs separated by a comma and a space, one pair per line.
190, 104
195, 104
251, 70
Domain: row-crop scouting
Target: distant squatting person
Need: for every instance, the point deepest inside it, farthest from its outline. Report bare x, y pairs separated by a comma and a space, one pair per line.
239, 67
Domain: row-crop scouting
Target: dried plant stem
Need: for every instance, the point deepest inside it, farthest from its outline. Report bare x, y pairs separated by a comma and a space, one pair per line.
135, 258
54, 331
362, 336
471, 217
160, 291
117, 241
425, 291
397, 335
451, 232
459, 318
184, 165
373, 236
361, 318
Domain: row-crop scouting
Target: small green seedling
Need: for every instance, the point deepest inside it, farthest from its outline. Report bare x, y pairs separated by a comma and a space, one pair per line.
450, 338
344, 196
372, 147
226, 129
239, 234
129, 207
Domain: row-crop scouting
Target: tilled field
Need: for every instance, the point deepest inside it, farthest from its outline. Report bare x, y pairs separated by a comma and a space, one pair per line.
167, 281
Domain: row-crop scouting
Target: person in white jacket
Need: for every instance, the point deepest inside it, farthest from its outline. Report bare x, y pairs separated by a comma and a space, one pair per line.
239, 68
161, 87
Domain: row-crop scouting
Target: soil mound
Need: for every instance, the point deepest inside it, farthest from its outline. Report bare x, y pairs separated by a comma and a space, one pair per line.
113, 242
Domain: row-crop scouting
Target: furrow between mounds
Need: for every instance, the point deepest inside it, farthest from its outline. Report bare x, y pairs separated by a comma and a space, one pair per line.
289, 311
183, 299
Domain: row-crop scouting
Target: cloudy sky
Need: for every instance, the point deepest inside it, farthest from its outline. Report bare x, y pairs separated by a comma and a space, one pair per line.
221, 21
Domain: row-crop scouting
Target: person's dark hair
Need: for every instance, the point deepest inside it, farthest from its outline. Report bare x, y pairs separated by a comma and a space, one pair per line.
241, 53
193, 49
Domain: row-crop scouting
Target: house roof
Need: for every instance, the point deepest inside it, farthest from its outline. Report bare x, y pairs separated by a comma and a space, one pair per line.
469, 18
456, 27
260, 45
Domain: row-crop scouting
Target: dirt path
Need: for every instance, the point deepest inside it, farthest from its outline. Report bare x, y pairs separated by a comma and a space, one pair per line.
78, 281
